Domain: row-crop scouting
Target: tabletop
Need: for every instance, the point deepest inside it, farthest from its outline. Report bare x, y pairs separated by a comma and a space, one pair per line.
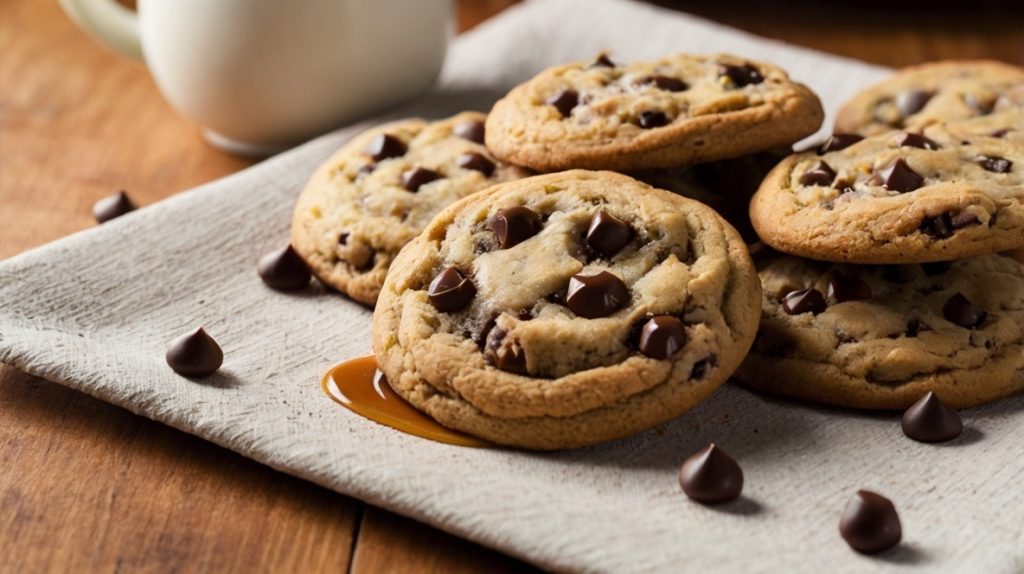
88, 486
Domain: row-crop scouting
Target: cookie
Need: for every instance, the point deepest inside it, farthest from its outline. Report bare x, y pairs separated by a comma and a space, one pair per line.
679, 110
940, 91
565, 310
881, 337
381, 189
903, 197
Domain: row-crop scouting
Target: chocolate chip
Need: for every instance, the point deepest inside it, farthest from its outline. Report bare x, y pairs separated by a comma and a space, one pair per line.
608, 234
844, 289
564, 101
476, 162
908, 139
869, 523
915, 326
602, 61
596, 296
996, 164
513, 225
930, 420
195, 354
558, 298
983, 107
662, 336
413, 178
935, 267
711, 476
1000, 133
898, 176
819, 174
912, 101
343, 238
964, 219
652, 119
110, 207
472, 130
838, 142
385, 146
664, 83
741, 75
284, 270
506, 355
701, 367
960, 311
451, 291
803, 301
939, 227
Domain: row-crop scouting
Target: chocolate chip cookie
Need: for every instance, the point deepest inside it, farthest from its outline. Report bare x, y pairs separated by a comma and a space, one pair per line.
679, 110
381, 189
938, 91
565, 310
903, 197
880, 337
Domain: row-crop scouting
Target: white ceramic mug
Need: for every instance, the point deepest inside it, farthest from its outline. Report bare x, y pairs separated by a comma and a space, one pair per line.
261, 75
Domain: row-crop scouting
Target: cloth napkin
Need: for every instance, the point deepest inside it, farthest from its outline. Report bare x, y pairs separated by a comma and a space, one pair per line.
96, 311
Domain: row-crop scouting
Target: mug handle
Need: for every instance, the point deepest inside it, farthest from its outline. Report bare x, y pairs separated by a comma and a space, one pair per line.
108, 21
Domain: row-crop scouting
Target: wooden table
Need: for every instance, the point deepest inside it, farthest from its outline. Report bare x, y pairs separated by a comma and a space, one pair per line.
88, 486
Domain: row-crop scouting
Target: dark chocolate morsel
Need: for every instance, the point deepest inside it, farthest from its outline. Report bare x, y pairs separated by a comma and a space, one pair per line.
930, 420
960, 311
284, 270
701, 367
195, 354
898, 176
711, 476
608, 234
996, 164
513, 225
652, 119
839, 141
564, 101
869, 523
819, 174
413, 178
343, 238
662, 336
939, 227
476, 162
451, 291
666, 83
910, 139
741, 75
385, 146
472, 130
803, 301
110, 207
506, 355
593, 296
602, 61
912, 101
848, 289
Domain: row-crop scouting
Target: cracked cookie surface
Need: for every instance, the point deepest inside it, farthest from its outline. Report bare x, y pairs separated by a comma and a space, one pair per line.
903, 197
678, 110
381, 189
940, 91
880, 337
565, 310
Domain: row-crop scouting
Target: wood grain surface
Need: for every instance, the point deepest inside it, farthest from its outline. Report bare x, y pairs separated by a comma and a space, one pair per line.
86, 486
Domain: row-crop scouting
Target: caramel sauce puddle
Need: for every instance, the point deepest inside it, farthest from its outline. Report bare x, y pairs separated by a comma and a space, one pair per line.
356, 385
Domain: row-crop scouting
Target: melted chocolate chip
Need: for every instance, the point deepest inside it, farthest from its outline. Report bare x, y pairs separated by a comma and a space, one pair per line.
908, 139
284, 270
564, 101
664, 83
912, 101
385, 146
413, 178
602, 61
711, 476
701, 367
195, 354
964, 219
741, 75
513, 225
476, 162
1000, 133
804, 301
930, 420
996, 164
819, 174
451, 291
662, 336
838, 142
505, 355
608, 234
110, 207
652, 119
869, 523
596, 296
898, 176
939, 227
843, 289
960, 311
472, 130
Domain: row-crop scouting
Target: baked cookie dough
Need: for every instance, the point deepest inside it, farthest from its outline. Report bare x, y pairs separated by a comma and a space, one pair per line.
902, 197
881, 337
940, 91
679, 110
566, 310
381, 189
